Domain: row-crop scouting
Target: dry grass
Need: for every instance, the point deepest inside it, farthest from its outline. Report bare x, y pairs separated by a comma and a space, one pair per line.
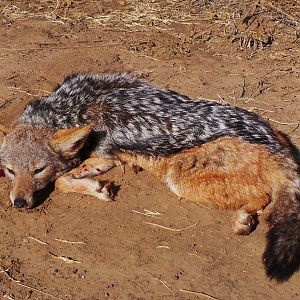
61, 11
137, 15
146, 15
246, 24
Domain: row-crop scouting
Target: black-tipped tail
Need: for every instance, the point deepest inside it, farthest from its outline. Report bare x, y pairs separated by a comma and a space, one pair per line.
282, 254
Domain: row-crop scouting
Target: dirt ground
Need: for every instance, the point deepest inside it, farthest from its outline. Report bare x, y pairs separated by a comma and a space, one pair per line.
148, 244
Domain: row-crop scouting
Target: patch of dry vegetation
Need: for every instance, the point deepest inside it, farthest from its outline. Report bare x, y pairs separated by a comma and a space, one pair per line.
244, 25
129, 14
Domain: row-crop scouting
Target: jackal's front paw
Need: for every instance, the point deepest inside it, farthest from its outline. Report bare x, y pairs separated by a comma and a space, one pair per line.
105, 192
243, 222
99, 189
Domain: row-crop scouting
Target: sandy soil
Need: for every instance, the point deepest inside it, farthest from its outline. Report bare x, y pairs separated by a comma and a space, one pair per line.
117, 252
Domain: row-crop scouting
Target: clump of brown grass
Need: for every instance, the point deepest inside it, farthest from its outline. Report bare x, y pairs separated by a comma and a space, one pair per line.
148, 14
135, 14
52, 10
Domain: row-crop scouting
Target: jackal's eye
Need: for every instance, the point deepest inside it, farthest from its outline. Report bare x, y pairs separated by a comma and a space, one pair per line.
10, 171
39, 170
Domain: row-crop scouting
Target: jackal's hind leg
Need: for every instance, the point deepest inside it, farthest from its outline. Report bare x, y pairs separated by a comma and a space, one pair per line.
246, 218
93, 166
244, 222
87, 186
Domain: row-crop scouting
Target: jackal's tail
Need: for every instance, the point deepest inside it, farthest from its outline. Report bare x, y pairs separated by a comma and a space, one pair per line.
282, 254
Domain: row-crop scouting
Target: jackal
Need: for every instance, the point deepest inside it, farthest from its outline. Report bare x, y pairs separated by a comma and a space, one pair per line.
202, 150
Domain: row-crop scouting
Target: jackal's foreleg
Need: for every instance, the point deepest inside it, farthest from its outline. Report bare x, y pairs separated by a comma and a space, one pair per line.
87, 186
91, 167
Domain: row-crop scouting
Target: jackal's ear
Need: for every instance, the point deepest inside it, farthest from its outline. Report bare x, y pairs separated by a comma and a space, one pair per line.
69, 141
3, 132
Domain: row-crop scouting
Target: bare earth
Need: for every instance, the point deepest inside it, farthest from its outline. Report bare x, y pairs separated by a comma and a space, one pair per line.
148, 244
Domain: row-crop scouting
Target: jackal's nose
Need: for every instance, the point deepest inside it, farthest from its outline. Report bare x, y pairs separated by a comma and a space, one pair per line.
19, 202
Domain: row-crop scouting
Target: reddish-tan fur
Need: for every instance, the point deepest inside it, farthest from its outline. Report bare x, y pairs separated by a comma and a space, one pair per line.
227, 173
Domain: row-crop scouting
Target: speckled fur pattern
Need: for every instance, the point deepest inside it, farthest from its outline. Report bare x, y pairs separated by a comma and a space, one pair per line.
129, 114
202, 150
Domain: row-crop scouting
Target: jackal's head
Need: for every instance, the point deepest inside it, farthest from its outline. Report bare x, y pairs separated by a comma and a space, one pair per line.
33, 157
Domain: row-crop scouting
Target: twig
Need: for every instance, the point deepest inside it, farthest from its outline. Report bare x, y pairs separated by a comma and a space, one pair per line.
70, 242
147, 213
171, 229
21, 91
221, 101
141, 55
162, 246
164, 284
294, 129
282, 123
243, 88
65, 259
44, 91
261, 110
199, 293
18, 282
37, 240
3, 271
